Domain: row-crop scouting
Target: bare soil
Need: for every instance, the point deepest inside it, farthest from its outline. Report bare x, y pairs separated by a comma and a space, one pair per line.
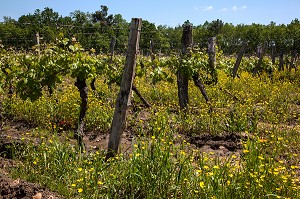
20, 189
17, 188
16, 133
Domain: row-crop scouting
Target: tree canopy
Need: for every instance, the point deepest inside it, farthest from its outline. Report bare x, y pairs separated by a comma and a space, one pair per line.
95, 30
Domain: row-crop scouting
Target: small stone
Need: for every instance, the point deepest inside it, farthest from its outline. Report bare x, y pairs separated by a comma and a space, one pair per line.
15, 182
37, 196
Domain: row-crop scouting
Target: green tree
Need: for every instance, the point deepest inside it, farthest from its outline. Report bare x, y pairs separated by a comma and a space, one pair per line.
164, 43
149, 32
293, 30
120, 28
215, 27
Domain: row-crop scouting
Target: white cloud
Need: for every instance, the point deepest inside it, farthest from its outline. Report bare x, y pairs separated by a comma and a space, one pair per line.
223, 9
235, 8
208, 8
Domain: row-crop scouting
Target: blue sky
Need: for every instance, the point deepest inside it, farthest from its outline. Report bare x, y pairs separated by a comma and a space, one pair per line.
169, 12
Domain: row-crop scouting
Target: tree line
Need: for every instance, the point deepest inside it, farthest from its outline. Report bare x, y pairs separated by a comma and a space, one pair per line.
95, 30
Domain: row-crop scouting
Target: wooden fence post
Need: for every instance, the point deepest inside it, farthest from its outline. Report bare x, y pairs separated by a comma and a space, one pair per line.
182, 76
37, 36
239, 59
281, 54
297, 60
112, 46
261, 52
212, 58
119, 118
293, 60
138, 93
152, 53
273, 52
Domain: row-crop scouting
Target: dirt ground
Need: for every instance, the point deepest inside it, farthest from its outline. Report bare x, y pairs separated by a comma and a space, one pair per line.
17, 188
20, 189
12, 133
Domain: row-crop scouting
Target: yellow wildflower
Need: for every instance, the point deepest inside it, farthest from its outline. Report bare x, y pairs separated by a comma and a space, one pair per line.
201, 184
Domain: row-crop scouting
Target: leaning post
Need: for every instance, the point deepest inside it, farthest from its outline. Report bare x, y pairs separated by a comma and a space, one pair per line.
239, 59
119, 117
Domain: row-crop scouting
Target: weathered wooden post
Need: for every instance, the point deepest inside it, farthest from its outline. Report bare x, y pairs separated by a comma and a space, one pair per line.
239, 59
152, 52
112, 47
37, 36
273, 52
261, 52
281, 54
119, 118
293, 60
212, 58
182, 76
138, 93
297, 59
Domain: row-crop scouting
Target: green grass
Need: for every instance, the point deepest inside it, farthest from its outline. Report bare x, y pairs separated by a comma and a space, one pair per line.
163, 164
